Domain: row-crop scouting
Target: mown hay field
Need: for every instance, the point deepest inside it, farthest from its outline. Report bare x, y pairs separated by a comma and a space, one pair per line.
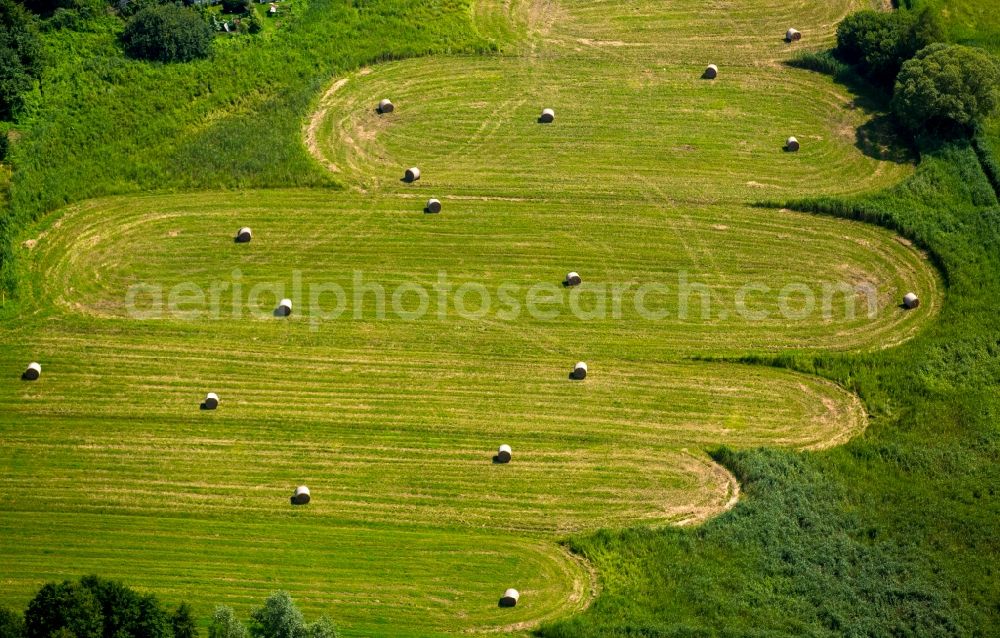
391, 416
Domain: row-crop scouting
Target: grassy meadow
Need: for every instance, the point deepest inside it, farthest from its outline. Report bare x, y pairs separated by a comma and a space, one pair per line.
648, 174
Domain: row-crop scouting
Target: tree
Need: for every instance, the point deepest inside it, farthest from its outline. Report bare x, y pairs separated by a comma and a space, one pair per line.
878, 42
20, 56
153, 620
851, 34
278, 618
183, 623
126, 612
167, 33
322, 628
65, 605
119, 605
947, 86
11, 624
929, 28
225, 624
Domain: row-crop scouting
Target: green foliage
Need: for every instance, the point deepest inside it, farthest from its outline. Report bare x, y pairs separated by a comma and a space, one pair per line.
95, 608
225, 624
278, 618
127, 612
66, 605
167, 33
929, 27
77, 15
12, 623
20, 56
322, 628
253, 20
183, 623
822, 62
879, 42
947, 86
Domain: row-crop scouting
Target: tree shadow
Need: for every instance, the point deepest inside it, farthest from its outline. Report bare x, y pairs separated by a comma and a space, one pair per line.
880, 137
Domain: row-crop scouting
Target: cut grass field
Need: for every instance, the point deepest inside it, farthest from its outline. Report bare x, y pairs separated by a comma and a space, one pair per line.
647, 174
98, 249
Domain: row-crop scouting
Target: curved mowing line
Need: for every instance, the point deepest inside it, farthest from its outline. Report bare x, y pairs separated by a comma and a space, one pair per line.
607, 453
377, 570
699, 142
393, 442
186, 239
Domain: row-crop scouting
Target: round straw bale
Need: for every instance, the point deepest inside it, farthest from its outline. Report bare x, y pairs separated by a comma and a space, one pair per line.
211, 401
32, 372
503, 454
510, 598
711, 72
244, 235
580, 371
548, 116
412, 174
301, 495
385, 106
433, 205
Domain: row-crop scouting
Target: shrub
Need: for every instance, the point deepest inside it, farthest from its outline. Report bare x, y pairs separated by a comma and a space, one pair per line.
167, 33
20, 56
947, 86
253, 20
821, 62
